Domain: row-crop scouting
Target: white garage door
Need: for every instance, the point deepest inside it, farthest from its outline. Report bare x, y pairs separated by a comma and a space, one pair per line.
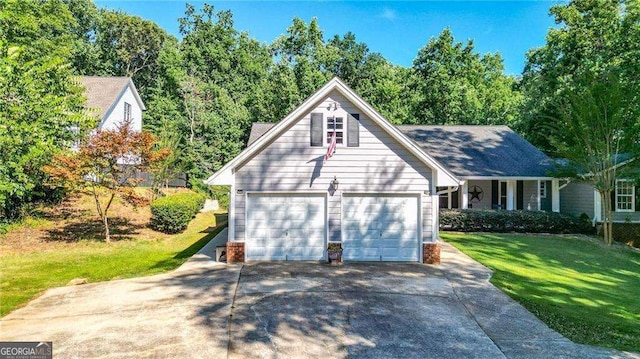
380, 228
285, 227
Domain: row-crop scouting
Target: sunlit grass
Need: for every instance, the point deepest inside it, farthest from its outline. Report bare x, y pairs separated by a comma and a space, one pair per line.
25, 275
585, 290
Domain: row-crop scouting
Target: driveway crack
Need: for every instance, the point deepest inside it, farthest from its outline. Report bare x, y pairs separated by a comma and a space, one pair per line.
233, 305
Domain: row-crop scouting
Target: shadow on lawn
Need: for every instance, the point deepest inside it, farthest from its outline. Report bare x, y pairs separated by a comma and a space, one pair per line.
93, 229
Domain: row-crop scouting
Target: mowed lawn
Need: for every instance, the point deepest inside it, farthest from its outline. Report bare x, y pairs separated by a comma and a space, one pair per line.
24, 275
583, 289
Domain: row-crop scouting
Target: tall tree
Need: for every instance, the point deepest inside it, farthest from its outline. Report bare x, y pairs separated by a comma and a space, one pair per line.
596, 132
40, 101
452, 84
592, 38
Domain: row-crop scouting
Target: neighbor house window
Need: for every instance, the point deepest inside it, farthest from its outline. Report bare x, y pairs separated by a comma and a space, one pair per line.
543, 189
335, 124
127, 111
625, 196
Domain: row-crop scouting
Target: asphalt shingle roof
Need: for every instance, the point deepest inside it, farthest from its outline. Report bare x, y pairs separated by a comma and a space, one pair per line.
102, 91
487, 151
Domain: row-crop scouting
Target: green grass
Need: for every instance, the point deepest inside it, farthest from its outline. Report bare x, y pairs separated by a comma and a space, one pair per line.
25, 275
583, 289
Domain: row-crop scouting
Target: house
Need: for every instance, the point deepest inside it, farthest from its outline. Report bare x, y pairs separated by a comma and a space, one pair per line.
114, 99
580, 197
379, 194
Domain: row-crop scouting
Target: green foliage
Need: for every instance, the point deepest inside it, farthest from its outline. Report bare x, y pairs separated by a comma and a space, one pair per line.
40, 101
473, 220
451, 85
587, 292
172, 214
595, 39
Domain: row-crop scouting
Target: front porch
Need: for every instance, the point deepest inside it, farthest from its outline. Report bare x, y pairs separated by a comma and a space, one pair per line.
530, 194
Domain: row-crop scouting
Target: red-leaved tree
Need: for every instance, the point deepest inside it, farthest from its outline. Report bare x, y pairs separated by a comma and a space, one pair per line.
105, 165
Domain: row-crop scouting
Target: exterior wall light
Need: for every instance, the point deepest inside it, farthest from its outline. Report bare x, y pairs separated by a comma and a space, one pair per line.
334, 183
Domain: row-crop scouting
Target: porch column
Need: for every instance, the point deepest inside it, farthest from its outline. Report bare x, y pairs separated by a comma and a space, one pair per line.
597, 207
555, 195
511, 185
465, 195
538, 191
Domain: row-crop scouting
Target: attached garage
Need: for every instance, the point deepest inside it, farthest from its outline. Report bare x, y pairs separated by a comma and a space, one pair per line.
286, 226
380, 227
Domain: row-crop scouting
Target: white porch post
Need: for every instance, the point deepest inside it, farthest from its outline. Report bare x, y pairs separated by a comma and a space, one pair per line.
538, 190
597, 206
511, 195
231, 225
555, 195
465, 195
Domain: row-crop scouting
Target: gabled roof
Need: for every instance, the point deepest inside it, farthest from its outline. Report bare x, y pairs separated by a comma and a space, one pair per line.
481, 151
470, 151
103, 92
224, 176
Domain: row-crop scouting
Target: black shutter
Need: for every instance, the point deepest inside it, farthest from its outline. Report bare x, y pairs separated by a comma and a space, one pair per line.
455, 199
519, 195
494, 194
316, 130
613, 201
353, 130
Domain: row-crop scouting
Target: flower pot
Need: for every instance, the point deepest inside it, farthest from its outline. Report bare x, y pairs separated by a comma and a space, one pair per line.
335, 256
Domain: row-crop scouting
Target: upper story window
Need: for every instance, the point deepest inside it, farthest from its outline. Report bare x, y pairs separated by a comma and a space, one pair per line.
347, 129
543, 189
625, 196
335, 124
127, 111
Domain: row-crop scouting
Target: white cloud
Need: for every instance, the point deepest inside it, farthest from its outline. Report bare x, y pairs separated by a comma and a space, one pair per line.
388, 14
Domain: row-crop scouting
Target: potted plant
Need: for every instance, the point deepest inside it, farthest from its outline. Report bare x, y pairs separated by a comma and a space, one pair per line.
335, 253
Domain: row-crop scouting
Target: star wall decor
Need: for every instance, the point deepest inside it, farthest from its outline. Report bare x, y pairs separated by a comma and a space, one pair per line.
476, 194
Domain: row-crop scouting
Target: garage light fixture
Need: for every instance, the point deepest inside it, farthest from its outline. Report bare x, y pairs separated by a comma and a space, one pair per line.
334, 183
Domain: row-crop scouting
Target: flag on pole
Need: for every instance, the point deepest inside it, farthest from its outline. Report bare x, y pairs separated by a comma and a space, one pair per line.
331, 149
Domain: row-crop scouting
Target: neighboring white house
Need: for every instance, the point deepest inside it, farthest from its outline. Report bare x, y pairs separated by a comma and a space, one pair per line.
115, 99
379, 195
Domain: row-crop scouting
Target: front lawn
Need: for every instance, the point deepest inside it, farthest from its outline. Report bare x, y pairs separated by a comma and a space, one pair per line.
25, 274
583, 289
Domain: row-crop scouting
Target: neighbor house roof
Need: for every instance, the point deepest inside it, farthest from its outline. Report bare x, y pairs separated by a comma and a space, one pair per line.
225, 176
470, 151
103, 92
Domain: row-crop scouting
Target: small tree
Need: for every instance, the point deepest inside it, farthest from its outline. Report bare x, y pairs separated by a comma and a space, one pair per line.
596, 129
105, 165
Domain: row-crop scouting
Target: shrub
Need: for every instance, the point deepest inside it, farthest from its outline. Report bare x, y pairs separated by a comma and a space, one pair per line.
172, 214
474, 220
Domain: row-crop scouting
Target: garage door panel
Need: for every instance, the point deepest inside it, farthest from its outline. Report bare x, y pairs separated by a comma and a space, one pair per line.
285, 227
380, 227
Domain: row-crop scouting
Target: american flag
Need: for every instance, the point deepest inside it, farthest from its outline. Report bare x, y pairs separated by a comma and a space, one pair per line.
331, 149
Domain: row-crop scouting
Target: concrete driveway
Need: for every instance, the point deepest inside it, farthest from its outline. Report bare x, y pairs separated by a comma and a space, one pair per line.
280, 310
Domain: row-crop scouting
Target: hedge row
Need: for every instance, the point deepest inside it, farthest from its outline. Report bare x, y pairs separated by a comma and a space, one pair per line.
474, 220
172, 214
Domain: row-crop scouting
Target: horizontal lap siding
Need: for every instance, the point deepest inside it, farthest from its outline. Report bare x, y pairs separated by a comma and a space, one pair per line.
577, 198
530, 195
289, 163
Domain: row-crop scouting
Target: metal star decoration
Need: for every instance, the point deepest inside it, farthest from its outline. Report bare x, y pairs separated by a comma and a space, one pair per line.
476, 193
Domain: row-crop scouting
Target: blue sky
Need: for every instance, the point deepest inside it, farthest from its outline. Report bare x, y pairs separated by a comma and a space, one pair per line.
395, 29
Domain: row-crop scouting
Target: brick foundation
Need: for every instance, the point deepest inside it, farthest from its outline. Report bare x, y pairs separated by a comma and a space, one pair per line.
431, 253
235, 252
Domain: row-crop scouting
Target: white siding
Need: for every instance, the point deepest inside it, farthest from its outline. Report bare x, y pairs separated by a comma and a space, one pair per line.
485, 186
289, 163
116, 115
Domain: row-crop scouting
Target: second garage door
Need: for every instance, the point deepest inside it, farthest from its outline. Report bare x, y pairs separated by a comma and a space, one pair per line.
380, 228
285, 227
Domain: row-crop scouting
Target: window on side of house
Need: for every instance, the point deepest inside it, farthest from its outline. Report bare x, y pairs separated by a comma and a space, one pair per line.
543, 189
127, 111
335, 124
625, 196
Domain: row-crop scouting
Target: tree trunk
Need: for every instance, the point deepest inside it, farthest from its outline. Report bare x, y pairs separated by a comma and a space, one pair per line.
607, 225
107, 236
